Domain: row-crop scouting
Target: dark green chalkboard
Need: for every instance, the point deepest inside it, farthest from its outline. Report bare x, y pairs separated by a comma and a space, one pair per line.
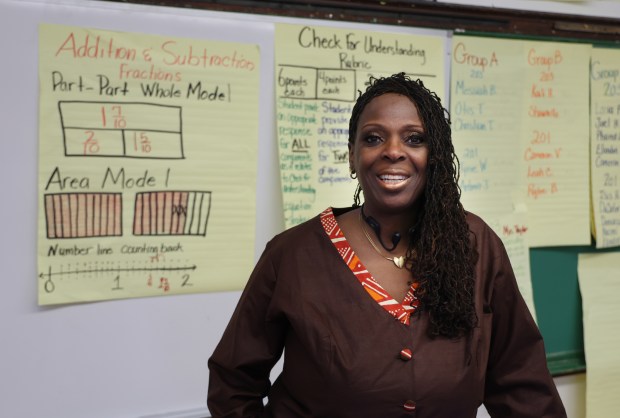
558, 305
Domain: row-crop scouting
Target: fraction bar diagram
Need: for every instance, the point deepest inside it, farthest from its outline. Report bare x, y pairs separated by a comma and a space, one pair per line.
172, 213
121, 129
83, 215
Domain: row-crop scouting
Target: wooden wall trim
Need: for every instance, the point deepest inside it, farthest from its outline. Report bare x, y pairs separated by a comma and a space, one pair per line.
423, 14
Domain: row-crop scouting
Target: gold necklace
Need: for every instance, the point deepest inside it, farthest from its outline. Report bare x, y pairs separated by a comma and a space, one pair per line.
398, 261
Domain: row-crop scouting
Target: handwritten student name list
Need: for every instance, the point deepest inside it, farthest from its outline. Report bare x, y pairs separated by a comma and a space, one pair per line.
319, 73
605, 142
554, 179
514, 232
485, 137
481, 106
520, 119
145, 171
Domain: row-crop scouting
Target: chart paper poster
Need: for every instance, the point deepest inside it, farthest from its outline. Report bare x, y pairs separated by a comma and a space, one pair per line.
514, 231
520, 118
146, 176
319, 72
599, 283
604, 143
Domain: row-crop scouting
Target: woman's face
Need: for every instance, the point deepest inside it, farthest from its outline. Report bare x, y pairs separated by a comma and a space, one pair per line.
390, 154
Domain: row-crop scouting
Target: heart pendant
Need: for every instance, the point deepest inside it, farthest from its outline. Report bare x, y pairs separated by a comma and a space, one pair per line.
399, 261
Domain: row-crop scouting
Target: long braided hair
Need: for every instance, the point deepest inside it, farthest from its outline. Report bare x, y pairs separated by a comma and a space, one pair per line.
442, 254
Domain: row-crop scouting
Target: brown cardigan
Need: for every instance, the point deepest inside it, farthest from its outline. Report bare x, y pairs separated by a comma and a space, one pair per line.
342, 350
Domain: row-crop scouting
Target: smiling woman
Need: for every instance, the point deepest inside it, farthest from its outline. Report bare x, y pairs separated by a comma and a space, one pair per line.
430, 325
389, 155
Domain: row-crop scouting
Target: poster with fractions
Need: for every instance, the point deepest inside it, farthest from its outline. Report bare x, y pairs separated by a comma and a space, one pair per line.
520, 118
319, 74
604, 146
146, 176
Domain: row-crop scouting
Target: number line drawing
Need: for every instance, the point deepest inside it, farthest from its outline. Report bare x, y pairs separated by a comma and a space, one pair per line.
49, 286
104, 270
83, 215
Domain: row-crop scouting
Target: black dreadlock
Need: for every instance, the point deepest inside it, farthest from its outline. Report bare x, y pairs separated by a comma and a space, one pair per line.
440, 247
